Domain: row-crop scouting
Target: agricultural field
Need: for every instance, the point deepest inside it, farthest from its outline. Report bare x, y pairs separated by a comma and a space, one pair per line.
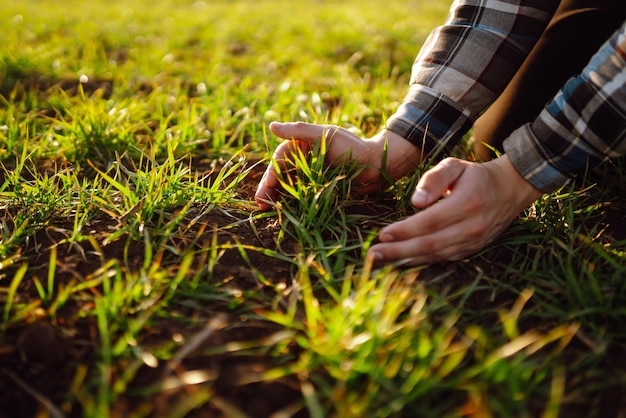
138, 278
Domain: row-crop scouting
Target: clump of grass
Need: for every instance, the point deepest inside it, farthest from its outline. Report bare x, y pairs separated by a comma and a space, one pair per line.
381, 347
314, 211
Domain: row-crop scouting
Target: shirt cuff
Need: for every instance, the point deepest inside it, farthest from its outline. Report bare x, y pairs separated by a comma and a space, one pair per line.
530, 163
431, 121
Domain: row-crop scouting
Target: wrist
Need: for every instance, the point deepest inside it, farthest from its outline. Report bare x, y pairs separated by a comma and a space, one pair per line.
509, 179
401, 155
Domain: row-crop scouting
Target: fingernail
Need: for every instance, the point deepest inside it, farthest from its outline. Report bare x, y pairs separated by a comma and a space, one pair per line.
275, 127
419, 198
376, 256
385, 237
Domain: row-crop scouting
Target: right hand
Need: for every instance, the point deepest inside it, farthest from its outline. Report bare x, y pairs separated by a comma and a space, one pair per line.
463, 207
342, 146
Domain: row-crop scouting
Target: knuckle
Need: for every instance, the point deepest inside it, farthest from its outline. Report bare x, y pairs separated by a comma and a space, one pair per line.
475, 204
479, 230
479, 226
450, 162
431, 180
428, 246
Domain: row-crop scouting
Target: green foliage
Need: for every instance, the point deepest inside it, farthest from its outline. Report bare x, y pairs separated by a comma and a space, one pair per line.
130, 138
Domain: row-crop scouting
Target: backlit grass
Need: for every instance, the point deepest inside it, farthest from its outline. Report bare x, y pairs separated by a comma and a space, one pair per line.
137, 277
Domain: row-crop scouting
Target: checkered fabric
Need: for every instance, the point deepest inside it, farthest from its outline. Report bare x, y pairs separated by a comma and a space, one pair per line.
464, 66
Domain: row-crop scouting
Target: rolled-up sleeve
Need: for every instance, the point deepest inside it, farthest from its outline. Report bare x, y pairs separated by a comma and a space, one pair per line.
584, 125
464, 65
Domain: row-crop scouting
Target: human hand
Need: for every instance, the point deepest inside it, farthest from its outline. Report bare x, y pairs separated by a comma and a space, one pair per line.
342, 146
479, 202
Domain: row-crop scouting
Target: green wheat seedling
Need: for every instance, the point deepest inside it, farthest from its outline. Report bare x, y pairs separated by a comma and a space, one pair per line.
32, 200
315, 210
380, 347
125, 303
148, 189
568, 259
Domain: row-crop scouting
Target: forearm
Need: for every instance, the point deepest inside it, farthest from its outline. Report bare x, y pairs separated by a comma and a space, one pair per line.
583, 126
464, 65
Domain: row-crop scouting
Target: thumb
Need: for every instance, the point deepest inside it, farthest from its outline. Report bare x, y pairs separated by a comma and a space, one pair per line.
437, 181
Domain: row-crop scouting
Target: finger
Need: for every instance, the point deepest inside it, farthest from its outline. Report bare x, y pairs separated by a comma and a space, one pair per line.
437, 181
458, 207
451, 253
303, 131
266, 191
268, 188
448, 244
303, 134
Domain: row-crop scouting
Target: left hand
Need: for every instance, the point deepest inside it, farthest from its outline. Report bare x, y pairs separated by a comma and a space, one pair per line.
343, 146
480, 200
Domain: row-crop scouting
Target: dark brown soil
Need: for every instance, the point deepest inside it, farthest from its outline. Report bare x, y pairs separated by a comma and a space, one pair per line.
42, 358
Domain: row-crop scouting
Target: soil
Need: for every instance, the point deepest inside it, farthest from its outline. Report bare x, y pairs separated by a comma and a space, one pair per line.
42, 359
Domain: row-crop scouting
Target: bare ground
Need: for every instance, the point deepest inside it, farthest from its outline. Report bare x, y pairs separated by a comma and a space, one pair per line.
42, 359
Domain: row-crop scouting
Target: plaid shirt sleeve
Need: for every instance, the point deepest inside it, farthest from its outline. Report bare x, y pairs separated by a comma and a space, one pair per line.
464, 65
584, 125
